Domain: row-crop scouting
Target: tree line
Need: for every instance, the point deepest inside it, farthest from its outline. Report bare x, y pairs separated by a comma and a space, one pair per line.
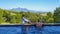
13, 17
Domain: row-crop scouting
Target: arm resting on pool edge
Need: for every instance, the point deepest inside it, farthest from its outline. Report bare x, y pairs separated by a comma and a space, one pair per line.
28, 21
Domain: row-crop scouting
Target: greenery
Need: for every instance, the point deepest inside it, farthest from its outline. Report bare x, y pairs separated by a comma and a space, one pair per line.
57, 15
13, 17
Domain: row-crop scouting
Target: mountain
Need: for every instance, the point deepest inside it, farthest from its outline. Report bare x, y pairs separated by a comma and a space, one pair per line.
26, 10
20, 9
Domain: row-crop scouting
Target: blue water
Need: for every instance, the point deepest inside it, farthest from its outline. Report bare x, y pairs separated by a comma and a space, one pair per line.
30, 30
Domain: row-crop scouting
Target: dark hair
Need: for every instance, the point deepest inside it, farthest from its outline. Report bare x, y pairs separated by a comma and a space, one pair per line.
23, 15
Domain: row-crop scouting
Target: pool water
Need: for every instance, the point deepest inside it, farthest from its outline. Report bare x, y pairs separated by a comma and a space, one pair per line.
30, 30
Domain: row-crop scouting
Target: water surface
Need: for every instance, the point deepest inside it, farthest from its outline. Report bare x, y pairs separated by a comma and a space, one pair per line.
30, 30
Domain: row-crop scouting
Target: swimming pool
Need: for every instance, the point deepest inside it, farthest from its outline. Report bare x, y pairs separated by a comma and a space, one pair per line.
17, 29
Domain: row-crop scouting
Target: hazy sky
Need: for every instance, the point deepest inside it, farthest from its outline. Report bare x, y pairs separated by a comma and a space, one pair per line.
40, 5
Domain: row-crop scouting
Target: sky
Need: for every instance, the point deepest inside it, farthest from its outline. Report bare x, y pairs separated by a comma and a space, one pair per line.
39, 5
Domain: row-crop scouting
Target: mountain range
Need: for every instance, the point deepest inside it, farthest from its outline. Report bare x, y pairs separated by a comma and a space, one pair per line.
26, 10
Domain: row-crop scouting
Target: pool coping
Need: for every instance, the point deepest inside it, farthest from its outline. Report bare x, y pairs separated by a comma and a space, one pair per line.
44, 24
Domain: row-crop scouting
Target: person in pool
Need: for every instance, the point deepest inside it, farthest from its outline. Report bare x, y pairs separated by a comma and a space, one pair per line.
39, 24
24, 27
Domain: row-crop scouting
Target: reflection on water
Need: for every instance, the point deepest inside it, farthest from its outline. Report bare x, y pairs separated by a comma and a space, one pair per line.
30, 30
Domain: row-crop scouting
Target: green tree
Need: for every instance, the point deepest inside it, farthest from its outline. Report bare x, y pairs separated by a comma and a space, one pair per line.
57, 15
49, 18
1, 15
13, 20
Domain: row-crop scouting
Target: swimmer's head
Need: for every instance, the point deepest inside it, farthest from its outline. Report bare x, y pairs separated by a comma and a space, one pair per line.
23, 15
